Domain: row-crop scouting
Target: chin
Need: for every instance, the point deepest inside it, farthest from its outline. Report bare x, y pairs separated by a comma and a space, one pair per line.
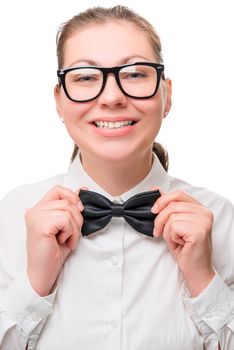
118, 155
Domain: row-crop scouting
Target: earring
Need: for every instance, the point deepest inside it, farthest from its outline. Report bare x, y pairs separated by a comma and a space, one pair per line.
165, 113
62, 119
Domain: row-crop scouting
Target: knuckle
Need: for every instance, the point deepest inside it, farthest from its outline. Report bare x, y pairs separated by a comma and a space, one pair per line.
179, 192
203, 235
57, 188
172, 205
172, 218
167, 237
68, 216
209, 214
28, 213
79, 224
172, 223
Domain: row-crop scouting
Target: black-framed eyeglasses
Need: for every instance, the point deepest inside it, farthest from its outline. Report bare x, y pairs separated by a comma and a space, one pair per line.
138, 80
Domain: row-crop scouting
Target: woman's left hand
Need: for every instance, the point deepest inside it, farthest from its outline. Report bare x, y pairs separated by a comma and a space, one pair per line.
186, 226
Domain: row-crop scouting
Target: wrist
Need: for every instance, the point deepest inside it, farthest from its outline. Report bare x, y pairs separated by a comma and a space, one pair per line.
40, 286
198, 281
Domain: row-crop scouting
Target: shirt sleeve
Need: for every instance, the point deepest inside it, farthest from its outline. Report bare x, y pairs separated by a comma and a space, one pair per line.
213, 313
22, 314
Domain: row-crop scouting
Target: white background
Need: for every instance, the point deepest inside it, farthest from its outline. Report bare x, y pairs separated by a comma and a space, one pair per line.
197, 38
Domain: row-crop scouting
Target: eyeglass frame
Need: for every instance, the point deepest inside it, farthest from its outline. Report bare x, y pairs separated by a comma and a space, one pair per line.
61, 74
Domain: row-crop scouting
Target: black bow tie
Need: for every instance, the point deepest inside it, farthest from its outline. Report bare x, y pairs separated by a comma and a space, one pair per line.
98, 211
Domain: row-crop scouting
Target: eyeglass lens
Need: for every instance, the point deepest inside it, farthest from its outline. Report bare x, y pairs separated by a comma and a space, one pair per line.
86, 83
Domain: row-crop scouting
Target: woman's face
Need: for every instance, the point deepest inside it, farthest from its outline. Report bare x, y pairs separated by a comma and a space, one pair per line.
108, 45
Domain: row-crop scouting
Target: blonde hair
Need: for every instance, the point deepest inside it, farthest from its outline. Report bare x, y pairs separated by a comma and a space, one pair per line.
100, 15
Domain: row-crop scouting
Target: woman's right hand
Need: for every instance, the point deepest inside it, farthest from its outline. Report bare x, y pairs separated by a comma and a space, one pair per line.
53, 229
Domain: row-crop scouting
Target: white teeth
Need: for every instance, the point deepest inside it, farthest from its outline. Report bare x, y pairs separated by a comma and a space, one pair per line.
113, 125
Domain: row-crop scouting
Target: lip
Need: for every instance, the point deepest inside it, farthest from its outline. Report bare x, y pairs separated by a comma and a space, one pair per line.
113, 119
115, 132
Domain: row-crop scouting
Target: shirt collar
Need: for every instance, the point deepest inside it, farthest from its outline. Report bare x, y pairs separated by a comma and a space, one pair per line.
77, 177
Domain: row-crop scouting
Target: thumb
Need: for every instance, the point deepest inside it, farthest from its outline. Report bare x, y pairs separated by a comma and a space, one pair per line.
155, 188
80, 205
81, 188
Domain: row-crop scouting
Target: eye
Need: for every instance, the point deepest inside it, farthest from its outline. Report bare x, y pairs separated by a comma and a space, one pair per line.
133, 75
84, 78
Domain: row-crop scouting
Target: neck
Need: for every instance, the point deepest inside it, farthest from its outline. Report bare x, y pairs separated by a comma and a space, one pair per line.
117, 177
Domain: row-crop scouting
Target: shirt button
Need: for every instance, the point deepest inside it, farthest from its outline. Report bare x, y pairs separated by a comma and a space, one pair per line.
113, 324
114, 260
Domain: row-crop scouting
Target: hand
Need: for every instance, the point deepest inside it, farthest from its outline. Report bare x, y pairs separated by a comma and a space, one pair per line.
186, 226
53, 229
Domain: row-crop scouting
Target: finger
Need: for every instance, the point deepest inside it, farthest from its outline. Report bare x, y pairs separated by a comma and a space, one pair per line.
175, 196
155, 206
184, 228
167, 237
59, 192
61, 225
76, 220
67, 231
62, 204
64, 207
173, 234
77, 224
175, 208
72, 241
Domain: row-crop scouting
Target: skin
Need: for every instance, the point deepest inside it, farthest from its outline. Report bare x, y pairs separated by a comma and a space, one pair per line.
108, 160
53, 230
54, 223
186, 226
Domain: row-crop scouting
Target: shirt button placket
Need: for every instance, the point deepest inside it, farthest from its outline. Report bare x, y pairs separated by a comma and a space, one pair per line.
114, 286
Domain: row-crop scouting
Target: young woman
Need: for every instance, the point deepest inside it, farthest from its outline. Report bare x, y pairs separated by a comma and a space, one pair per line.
67, 282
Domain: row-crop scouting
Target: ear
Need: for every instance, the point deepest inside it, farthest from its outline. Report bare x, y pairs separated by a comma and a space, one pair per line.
57, 99
168, 94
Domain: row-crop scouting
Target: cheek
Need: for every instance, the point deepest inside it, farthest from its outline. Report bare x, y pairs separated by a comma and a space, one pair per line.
74, 111
156, 107
151, 108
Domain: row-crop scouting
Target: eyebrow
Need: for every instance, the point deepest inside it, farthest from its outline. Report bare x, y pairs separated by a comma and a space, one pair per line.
93, 63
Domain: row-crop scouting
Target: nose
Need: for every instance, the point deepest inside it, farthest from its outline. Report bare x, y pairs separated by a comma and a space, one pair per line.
112, 96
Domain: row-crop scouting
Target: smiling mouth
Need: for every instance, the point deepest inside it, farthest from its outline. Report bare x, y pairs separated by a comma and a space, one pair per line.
114, 125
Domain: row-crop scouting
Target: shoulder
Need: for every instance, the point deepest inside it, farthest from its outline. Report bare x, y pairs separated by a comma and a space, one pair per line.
208, 198
27, 195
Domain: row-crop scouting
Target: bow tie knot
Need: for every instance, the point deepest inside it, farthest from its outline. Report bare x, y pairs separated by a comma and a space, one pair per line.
98, 211
117, 210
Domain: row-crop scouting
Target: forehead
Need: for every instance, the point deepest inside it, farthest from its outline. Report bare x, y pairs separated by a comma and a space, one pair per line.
107, 44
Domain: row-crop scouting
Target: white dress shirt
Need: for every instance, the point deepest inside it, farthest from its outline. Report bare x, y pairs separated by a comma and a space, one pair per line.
120, 289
